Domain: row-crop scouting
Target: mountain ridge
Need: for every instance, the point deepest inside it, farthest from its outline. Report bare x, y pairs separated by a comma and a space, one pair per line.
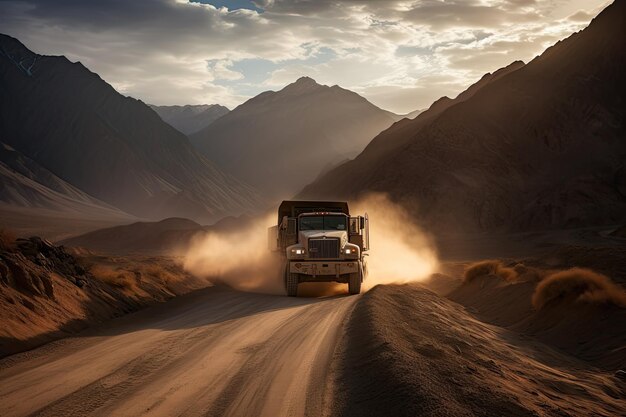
112, 147
190, 118
535, 148
280, 140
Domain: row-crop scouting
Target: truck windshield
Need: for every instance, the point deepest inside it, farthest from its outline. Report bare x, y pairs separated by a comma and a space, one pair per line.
323, 222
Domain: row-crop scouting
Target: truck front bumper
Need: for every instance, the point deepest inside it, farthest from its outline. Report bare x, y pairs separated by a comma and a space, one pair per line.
323, 270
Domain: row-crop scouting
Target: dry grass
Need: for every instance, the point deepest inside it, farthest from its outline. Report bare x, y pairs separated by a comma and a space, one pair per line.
488, 267
137, 274
161, 273
7, 239
578, 285
115, 277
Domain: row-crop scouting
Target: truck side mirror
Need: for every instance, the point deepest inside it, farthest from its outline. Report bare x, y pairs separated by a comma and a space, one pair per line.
361, 222
284, 223
354, 225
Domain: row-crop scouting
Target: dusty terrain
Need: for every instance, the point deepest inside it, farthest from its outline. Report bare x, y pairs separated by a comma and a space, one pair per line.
410, 352
396, 350
494, 337
48, 292
214, 352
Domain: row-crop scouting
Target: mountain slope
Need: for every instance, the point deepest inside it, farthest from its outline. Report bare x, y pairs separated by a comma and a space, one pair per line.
539, 147
112, 147
279, 141
171, 236
27, 185
166, 236
190, 119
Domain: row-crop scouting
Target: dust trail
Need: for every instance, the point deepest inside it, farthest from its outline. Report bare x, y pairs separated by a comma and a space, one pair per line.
401, 251
239, 258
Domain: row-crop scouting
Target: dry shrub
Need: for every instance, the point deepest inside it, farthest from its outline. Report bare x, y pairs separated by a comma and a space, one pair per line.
578, 285
160, 273
489, 267
114, 277
7, 239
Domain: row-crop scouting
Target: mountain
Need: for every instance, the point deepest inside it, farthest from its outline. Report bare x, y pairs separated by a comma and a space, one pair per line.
35, 201
532, 147
27, 184
189, 119
279, 141
413, 114
166, 237
116, 149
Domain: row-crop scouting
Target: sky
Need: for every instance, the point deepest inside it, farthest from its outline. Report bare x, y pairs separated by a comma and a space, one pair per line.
401, 55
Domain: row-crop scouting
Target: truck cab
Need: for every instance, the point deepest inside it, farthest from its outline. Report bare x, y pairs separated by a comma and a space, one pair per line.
319, 241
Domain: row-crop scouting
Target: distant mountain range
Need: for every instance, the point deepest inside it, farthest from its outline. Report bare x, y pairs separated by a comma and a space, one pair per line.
411, 115
279, 141
189, 119
69, 136
533, 146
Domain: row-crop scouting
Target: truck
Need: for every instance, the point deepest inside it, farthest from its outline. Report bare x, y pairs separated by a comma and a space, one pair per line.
319, 241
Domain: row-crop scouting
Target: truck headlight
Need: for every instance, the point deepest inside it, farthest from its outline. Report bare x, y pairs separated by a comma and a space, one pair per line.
349, 251
297, 251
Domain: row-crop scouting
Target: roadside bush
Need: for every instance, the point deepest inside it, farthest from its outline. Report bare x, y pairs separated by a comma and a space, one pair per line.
488, 267
578, 285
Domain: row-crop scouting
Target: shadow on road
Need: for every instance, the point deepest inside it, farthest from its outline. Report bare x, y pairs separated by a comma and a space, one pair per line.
199, 308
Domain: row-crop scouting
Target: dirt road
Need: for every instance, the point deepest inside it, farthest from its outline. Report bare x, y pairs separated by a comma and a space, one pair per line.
213, 353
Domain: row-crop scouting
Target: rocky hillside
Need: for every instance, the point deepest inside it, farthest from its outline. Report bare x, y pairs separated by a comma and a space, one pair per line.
279, 141
538, 146
113, 148
47, 292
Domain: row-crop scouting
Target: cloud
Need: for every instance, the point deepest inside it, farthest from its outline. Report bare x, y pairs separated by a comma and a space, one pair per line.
581, 16
217, 51
471, 14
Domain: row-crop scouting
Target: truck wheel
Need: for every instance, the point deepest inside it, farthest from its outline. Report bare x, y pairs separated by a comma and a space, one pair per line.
291, 284
354, 283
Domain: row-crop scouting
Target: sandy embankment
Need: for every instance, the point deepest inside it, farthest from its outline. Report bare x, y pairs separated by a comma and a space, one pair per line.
47, 293
551, 298
408, 352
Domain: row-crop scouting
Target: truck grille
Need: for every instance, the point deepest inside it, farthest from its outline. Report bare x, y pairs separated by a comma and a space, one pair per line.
324, 248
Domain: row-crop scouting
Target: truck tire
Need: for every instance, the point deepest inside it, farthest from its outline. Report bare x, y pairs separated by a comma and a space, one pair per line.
291, 283
354, 282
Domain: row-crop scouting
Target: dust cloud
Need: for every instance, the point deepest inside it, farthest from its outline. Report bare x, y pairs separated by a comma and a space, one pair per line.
239, 258
400, 252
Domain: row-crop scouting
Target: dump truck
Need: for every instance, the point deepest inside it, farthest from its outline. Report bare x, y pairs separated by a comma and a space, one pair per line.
318, 241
